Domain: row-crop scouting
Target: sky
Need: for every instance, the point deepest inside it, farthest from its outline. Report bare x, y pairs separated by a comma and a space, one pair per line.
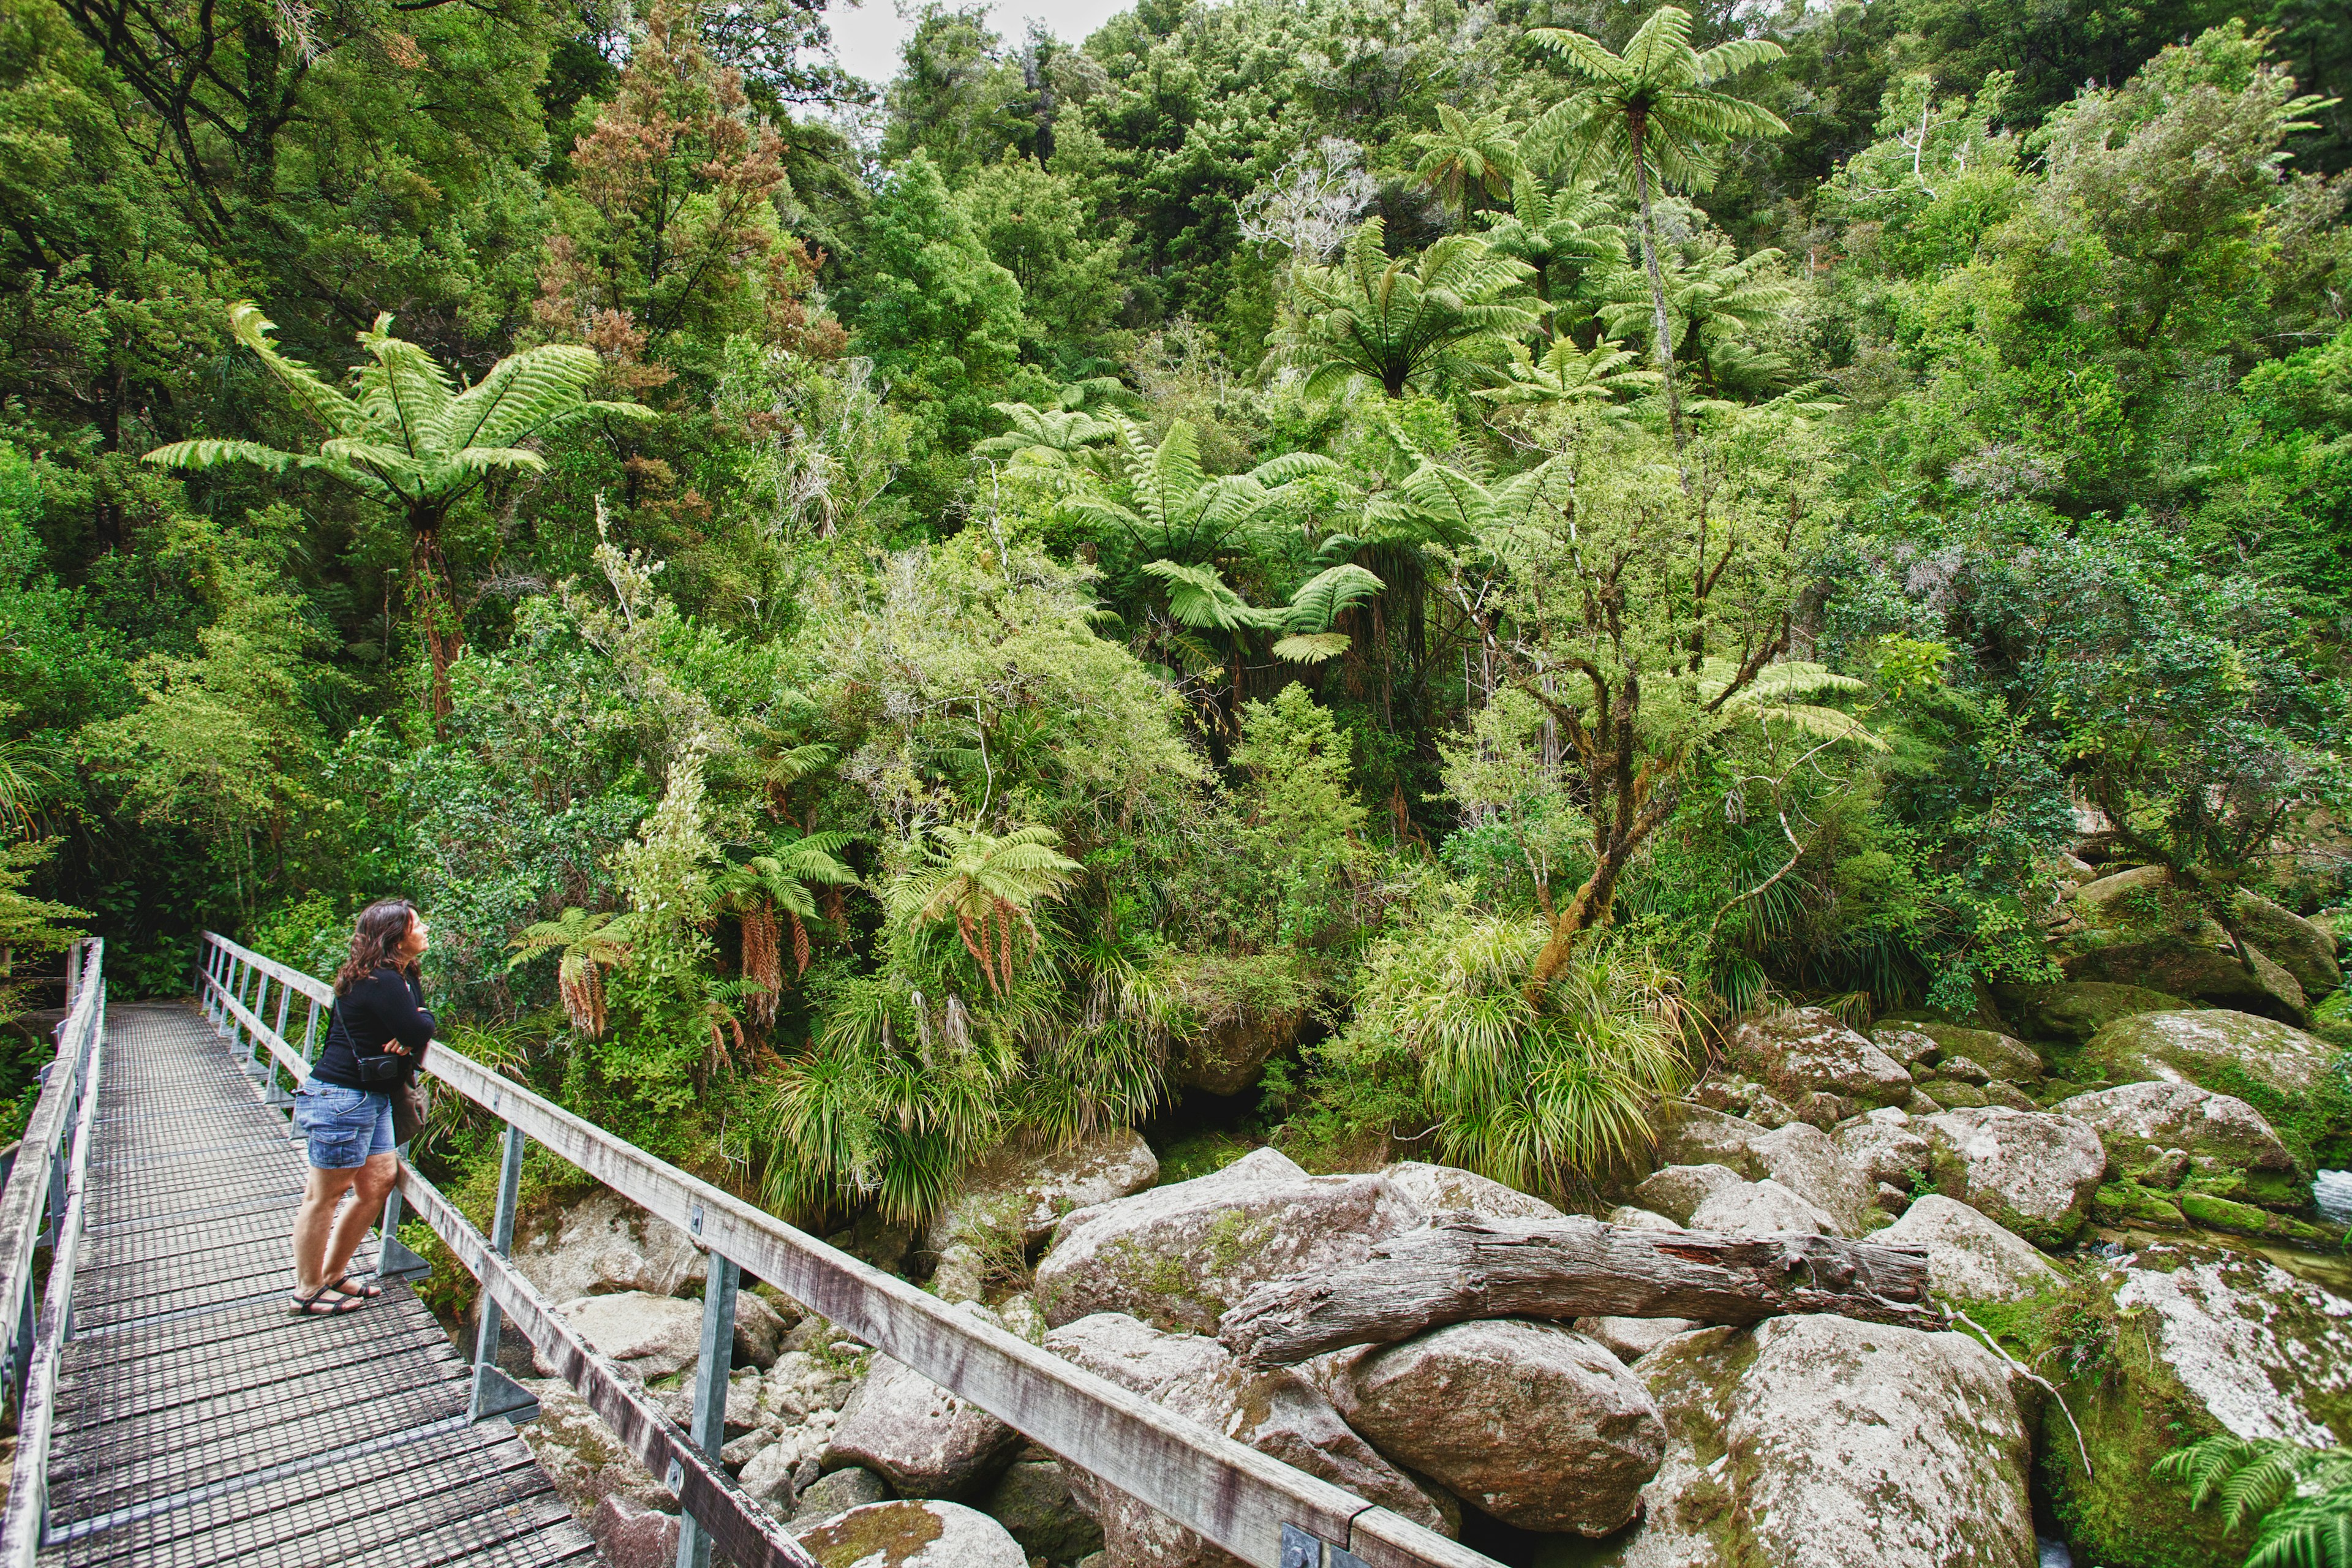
867, 36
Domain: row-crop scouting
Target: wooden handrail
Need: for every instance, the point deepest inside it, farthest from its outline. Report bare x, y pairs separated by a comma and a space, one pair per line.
1223, 1491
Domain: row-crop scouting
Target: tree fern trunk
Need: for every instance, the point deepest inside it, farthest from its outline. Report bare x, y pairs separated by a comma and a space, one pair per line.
1637, 129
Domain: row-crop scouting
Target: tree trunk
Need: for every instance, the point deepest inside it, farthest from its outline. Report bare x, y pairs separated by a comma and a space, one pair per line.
1462, 1267
1637, 127
1586, 910
438, 613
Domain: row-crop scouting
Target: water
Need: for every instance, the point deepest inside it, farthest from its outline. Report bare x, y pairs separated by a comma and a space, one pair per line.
2054, 1553
2333, 1192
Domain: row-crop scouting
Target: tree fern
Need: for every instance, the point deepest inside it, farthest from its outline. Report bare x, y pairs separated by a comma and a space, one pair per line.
2301, 1497
407, 438
1398, 321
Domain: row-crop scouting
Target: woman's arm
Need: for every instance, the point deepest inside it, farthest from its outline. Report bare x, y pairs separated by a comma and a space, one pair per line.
405, 1021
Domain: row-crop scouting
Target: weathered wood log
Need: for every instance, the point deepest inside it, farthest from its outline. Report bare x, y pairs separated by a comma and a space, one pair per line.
1461, 1267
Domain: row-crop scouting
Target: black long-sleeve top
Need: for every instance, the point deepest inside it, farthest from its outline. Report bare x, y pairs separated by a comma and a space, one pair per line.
387, 1006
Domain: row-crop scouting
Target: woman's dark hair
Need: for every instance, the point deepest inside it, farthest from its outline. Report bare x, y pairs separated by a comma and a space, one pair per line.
376, 937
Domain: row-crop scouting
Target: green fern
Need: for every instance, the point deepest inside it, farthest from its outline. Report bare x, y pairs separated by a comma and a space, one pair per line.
1452, 311
2301, 1497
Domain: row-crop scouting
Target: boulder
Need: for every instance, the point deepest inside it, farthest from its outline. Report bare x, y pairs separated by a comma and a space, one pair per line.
1181, 1254
1439, 1189
1903, 1042
2304, 948
923, 1441
1028, 1193
651, 1336
1227, 1055
1276, 1412
1997, 1092
2212, 1045
759, 1330
1759, 1208
1630, 1339
2028, 1171
580, 1456
1970, 1258
1535, 1425
838, 1492
767, 1475
2135, 928
2144, 1124
2074, 1011
631, 1535
1885, 1147
1032, 1501
1677, 1190
1955, 1094
2212, 1340
1736, 1096
912, 1534
1806, 1161
1819, 1442
1691, 1134
1634, 1219
605, 1245
1807, 1050
1935, 1043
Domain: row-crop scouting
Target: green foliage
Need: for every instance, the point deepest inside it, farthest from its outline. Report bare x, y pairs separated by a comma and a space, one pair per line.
1399, 322
2298, 1498
1532, 1094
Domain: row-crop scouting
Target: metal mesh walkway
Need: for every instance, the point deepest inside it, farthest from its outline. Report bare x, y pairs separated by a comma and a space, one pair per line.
197, 1422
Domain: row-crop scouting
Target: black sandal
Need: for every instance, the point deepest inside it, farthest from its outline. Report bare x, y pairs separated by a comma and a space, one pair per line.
309, 1306
359, 1288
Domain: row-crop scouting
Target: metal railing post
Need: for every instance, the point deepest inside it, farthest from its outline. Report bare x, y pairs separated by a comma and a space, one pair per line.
710, 1374
73, 973
277, 1094
495, 1393
257, 1060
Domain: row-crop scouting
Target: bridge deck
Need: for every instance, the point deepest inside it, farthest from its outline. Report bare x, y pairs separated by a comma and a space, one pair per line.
197, 1422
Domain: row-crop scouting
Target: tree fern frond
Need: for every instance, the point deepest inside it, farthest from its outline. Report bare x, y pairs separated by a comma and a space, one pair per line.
1312, 647
212, 454
1319, 600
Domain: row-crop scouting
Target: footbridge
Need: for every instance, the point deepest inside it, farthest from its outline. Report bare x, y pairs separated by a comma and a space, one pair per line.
170, 1412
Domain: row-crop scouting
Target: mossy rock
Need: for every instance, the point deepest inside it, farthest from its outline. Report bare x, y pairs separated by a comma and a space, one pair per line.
2216, 1213
2303, 949
2074, 1011
2172, 1344
2129, 1203
2004, 1055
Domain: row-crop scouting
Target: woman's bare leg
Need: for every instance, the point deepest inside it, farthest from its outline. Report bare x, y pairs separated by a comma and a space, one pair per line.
314, 1222
370, 1182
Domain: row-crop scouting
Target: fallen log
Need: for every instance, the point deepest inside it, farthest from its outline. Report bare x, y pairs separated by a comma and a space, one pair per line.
1461, 1267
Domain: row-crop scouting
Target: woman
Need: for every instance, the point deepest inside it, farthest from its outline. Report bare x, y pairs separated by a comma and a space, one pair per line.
376, 1041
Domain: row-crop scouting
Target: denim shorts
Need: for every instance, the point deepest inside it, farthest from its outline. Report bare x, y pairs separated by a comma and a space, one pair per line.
344, 1125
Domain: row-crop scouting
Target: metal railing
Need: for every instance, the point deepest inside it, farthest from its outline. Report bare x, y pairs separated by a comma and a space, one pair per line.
42, 1206
1256, 1506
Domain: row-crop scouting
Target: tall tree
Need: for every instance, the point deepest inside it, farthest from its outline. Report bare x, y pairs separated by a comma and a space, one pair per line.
1652, 115
669, 238
406, 437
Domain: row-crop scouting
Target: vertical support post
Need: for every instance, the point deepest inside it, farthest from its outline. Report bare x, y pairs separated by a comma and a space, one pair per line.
256, 1055
73, 974
393, 1258
495, 1393
277, 1094
710, 1371
310, 1033
212, 973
